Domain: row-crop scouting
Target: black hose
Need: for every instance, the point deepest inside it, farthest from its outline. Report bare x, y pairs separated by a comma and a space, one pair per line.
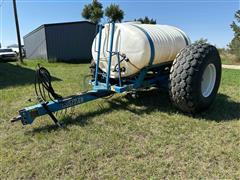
43, 84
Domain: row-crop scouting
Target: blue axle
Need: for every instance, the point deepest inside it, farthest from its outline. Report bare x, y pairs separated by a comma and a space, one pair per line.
100, 89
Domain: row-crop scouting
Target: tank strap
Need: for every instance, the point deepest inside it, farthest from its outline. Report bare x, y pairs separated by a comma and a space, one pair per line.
152, 55
184, 36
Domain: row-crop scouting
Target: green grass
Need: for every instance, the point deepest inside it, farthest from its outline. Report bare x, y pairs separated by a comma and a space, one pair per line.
117, 138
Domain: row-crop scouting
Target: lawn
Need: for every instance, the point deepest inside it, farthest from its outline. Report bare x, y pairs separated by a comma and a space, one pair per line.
116, 138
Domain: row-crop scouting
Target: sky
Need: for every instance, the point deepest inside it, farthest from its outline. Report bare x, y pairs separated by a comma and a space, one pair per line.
209, 19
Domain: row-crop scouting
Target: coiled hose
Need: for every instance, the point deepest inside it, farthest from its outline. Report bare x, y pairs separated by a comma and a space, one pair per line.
43, 85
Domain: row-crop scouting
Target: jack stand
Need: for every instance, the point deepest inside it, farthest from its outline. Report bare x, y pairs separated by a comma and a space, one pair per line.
44, 105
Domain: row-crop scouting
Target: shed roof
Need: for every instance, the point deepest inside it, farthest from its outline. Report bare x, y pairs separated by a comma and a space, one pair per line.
56, 24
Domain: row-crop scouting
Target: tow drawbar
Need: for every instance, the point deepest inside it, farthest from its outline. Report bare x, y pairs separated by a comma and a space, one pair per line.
17, 118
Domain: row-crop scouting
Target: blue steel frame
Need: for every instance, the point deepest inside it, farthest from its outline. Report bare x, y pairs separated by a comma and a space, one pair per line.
101, 89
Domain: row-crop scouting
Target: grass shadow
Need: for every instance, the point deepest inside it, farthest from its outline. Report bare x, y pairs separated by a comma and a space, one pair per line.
223, 109
16, 75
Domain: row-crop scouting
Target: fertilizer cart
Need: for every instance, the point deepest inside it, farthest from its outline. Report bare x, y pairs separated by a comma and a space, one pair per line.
128, 57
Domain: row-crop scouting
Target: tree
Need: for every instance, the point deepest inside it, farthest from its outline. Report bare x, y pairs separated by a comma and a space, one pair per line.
201, 40
87, 11
93, 11
114, 13
146, 20
235, 43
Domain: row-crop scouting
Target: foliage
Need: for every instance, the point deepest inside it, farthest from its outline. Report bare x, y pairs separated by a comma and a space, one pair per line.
222, 50
146, 20
235, 43
114, 13
87, 10
229, 58
201, 40
93, 11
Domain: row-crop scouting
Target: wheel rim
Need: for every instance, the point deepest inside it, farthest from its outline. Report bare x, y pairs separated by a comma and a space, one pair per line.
208, 80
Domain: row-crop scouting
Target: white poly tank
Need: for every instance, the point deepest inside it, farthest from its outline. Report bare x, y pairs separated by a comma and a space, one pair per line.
140, 43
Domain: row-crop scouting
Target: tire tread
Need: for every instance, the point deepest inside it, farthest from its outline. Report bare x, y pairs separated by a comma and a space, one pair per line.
183, 74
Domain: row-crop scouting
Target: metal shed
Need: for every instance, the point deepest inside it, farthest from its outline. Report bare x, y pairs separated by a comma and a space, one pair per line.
69, 41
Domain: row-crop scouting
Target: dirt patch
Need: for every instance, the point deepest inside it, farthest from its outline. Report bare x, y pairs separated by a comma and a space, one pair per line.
231, 66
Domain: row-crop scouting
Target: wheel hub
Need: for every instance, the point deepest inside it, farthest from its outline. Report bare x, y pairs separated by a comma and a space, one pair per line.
208, 80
